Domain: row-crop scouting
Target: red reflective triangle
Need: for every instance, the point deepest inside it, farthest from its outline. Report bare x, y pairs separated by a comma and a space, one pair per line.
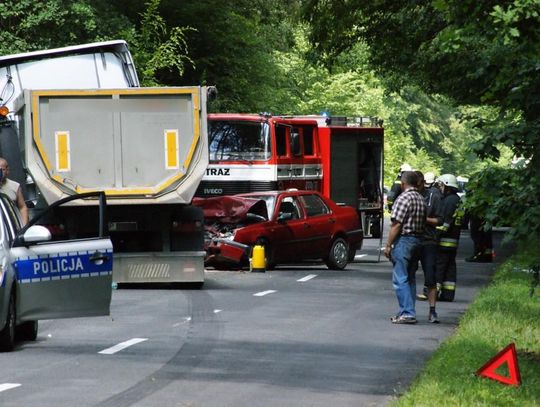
507, 355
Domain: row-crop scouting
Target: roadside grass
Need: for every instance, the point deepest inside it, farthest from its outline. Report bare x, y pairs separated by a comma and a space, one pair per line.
504, 312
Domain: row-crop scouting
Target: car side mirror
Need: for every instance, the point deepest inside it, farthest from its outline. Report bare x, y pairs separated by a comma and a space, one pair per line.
285, 216
36, 234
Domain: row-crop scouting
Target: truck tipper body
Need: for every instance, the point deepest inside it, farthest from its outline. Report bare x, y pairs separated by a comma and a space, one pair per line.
146, 148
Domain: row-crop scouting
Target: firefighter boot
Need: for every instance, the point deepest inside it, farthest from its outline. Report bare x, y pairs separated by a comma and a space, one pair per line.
448, 291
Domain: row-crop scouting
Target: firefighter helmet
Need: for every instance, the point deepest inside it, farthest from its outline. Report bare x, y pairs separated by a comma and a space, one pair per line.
429, 178
405, 167
449, 180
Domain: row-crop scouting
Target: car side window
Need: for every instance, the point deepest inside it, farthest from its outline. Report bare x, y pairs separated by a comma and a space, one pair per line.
290, 205
63, 225
314, 205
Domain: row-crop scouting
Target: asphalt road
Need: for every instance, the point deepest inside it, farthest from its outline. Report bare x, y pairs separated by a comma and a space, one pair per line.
297, 336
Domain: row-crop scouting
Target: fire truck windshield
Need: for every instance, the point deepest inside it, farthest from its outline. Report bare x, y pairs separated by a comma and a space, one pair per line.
238, 140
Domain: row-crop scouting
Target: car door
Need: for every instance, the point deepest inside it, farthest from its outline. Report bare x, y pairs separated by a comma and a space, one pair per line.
66, 276
293, 235
320, 222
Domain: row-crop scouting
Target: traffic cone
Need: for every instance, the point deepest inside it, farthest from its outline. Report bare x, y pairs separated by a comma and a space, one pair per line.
258, 259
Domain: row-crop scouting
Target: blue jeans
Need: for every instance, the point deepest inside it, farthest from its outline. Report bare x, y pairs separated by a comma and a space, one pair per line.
405, 256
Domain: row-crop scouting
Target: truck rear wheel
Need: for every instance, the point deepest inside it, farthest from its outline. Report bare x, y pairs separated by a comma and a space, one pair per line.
7, 335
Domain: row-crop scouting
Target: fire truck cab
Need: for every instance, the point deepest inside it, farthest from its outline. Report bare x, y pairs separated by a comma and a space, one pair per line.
341, 158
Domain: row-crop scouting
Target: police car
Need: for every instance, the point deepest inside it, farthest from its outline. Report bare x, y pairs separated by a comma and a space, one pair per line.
49, 269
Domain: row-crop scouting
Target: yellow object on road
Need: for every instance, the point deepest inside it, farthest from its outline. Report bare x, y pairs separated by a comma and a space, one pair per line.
258, 260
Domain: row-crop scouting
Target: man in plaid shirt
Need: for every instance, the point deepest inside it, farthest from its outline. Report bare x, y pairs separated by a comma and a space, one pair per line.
404, 245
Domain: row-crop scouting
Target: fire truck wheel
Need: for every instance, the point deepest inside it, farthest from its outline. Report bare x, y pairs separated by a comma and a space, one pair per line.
338, 255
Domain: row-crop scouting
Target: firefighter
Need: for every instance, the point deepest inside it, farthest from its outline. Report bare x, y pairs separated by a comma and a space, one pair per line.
428, 258
396, 188
481, 236
452, 214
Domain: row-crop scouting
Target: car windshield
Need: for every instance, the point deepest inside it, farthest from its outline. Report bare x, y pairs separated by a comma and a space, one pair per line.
238, 140
270, 201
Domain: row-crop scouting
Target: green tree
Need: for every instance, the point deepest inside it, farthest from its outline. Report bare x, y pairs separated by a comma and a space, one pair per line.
232, 45
158, 50
476, 52
35, 25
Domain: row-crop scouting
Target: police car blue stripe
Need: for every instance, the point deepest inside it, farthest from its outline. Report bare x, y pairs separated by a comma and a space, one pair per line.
47, 268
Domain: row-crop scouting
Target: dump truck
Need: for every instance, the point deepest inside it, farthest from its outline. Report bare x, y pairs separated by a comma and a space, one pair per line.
77, 121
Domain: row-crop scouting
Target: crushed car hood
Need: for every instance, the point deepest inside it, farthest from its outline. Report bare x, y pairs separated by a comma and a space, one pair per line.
230, 209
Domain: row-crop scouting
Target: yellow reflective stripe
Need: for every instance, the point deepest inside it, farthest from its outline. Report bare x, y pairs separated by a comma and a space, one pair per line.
196, 130
35, 128
124, 91
171, 149
63, 156
445, 242
449, 285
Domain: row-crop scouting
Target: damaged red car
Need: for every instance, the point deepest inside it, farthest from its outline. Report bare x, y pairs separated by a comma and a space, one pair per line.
292, 226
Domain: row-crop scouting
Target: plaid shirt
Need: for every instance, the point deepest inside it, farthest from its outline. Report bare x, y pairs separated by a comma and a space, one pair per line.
410, 210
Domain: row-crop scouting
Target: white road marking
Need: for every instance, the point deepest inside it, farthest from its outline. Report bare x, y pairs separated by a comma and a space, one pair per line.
263, 293
217, 311
122, 345
186, 319
8, 386
307, 278
359, 256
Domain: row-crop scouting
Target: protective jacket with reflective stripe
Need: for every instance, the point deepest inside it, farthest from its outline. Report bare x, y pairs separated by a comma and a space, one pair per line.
452, 214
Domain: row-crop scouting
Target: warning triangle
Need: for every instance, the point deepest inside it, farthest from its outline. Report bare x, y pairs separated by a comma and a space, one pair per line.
509, 356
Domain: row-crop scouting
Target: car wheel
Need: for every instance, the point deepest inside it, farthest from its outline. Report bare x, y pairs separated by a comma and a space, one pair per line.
7, 335
270, 263
28, 330
338, 255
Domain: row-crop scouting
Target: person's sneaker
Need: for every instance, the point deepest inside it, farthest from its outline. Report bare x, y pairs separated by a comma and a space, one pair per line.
480, 258
433, 318
403, 319
423, 296
473, 259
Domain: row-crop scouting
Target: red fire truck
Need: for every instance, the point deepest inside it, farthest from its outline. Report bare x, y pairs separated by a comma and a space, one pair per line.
339, 157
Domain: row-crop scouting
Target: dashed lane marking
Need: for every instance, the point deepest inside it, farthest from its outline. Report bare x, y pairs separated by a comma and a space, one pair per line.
122, 345
263, 293
186, 319
307, 278
217, 311
359, 256
8, 386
